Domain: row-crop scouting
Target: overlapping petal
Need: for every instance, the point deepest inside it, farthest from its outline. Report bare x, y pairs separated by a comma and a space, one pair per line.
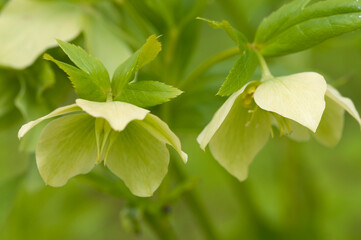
162, 132
240, 137
344, 102
66, 148
57, 112
139, 159
206, 135
299, 97
118, 114
329, 131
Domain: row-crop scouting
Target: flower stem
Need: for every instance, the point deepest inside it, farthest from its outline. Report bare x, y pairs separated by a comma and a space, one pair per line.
266, 73
205, 66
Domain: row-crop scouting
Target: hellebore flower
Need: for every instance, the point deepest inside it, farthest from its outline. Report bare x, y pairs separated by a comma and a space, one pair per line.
131, 141
295, 103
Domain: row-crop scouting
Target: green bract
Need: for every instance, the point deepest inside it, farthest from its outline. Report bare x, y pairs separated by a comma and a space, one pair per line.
294, 103
130, 140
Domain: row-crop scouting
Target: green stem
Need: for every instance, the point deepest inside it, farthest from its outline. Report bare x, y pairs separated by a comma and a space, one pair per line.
196, 207
266, 73
205, 66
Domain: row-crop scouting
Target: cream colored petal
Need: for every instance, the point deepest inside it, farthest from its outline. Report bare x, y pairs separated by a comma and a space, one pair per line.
161, 131
218, 118
329, 131
57, 112
66, 148
139, 159
344, 102
299, 97
118, 114
240, 137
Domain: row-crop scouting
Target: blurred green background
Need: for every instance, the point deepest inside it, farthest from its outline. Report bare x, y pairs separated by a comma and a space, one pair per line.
294, 190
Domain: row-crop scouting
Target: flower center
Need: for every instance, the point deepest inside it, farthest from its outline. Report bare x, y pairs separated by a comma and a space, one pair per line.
247, 95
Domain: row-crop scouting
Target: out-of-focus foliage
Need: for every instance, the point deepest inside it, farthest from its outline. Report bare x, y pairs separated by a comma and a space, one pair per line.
294, 190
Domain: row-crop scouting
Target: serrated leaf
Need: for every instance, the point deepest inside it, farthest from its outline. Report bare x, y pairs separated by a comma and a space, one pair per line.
84, 85
92, 66
234, 34
312, 26
240, 73
28, 28
148, 93
126, 71
149, 51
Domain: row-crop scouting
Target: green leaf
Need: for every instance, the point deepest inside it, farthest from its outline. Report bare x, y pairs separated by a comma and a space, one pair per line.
240, 73
126, 71
312, 26
88, 64
28, 28
147, 93
278, 20
139, 159
66, 148
104, 41
83, 83
234, 34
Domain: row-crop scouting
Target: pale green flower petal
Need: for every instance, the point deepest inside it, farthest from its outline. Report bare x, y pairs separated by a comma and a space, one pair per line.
57, 112
218, 118
329, 131
161, 131
29, 27
298, 132
118, 114
240, 137
139, 159
66, 148
344, 102
299, 97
